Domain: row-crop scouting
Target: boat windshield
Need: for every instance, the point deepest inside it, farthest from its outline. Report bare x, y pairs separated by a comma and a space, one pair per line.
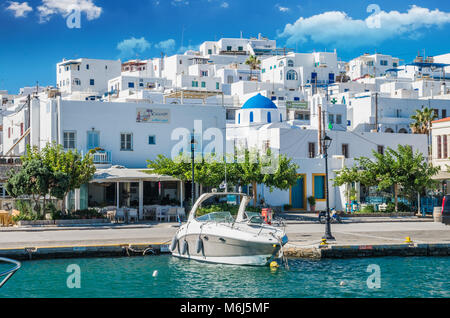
216, 217
254, 217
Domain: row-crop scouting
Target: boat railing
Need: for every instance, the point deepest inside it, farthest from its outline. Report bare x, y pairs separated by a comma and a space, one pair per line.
6, 275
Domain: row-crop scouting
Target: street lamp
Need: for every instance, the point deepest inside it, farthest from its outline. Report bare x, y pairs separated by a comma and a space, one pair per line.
326, 143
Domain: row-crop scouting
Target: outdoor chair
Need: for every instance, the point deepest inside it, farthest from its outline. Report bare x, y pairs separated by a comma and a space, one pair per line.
161, 212
181, 212
119, 215
172, 213
149, 212
132, 215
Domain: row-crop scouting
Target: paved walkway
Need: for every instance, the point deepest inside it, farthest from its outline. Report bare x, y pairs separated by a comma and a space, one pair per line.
300, 234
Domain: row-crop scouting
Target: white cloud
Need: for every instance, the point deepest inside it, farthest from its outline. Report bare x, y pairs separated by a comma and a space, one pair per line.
131, 47
282, 9
167, 45
224, 5
65, 7
336, 27
20, 9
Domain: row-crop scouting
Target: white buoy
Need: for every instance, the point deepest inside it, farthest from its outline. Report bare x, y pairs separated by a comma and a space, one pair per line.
155, 273
342, 283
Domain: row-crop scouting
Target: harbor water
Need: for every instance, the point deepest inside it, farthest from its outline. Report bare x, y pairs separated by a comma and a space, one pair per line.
169, 277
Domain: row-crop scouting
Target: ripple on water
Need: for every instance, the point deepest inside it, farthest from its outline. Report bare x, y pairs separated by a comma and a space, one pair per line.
133, 277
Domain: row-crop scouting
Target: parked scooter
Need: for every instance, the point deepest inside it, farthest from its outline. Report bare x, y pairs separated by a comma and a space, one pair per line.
334, 217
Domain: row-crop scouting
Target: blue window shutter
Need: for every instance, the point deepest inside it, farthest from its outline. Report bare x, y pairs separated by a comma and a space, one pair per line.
239, 118
251, 117
319, 187
269, 117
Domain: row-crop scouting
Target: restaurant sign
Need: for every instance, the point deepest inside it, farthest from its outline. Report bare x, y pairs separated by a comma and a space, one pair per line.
152, 115
300, 105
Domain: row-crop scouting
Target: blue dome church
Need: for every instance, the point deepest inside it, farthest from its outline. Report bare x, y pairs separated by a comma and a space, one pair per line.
258, 110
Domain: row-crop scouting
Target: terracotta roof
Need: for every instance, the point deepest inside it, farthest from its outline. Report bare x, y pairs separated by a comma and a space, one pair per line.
441, 120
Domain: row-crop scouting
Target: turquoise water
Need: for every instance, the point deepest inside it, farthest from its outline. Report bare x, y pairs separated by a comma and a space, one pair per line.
133, 277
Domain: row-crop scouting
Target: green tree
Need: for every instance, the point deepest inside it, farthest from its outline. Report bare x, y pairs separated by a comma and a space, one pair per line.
33, 179
52, 171
398, 168
254, 64
347, 177
422, 123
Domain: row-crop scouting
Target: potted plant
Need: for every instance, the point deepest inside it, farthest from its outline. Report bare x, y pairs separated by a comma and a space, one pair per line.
312, 203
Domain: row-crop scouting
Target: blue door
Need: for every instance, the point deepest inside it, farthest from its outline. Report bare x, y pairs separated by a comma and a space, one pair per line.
93, 140
298, 194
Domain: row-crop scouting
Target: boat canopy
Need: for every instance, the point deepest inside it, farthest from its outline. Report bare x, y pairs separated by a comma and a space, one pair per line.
244, 202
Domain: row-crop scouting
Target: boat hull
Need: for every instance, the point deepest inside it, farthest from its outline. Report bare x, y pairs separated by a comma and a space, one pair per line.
224, 250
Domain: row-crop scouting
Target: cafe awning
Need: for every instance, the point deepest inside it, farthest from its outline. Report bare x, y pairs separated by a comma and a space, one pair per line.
120, 174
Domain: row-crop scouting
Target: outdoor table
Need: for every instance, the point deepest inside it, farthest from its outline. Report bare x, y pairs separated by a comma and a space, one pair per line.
5, 219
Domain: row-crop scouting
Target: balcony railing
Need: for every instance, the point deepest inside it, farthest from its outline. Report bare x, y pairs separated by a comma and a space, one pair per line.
102, 157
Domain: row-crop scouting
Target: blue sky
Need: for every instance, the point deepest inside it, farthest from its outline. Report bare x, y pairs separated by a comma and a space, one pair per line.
34, 35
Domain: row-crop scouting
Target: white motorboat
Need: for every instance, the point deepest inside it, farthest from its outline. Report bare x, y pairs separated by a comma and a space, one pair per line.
219, 238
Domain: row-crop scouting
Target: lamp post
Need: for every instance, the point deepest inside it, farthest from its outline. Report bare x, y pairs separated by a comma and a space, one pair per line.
326, 142
193, 143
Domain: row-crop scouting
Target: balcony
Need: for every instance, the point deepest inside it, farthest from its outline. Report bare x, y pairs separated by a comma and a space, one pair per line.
102, 157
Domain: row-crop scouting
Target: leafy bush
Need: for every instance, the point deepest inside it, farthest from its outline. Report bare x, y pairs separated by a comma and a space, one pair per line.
312, 201
27, 217
368, 209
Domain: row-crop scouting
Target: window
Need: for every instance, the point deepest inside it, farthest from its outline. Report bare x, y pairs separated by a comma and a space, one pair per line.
76, 81
152, 140
240, 48
130, 85
203, 84
269, 117
290, 63
319, 187
126, 142
194, 84
92, 82
291, 75
380, 150
239, 118
229, 48
230, 79
209, 51
204, 73
345, 150
87, 66
251, 117
339, 119
69, 140
181, 62
436, 112
217, 86
311, 150
331, 119
281, 118
439, 147
444, 141
394, 64
444, 113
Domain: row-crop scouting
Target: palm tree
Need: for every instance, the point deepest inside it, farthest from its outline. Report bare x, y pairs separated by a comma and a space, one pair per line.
254, 64
422, 123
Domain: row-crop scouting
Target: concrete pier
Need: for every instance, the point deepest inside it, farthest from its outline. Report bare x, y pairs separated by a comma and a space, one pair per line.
352, 240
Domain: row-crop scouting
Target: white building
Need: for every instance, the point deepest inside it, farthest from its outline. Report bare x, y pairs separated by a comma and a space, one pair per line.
297, 71
87, 77
371, 65
260, 125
